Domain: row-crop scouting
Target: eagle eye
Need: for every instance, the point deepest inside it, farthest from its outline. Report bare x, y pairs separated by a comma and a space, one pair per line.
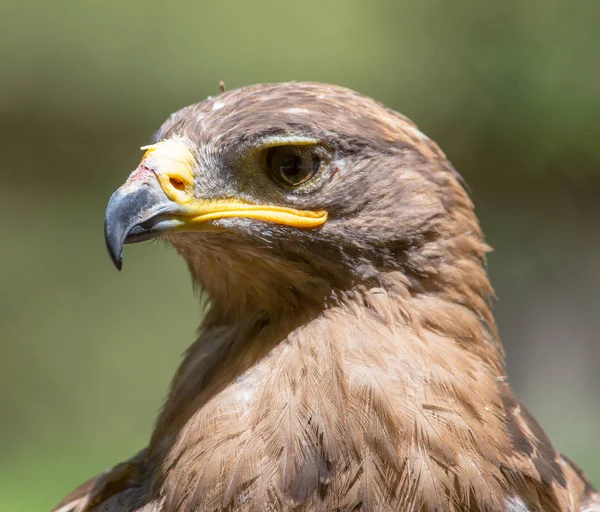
292, 165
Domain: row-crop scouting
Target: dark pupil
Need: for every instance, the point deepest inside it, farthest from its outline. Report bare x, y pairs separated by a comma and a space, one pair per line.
292, 168
297, 167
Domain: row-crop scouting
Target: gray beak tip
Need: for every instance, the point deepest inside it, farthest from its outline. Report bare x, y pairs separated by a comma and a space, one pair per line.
114, 245
118, 262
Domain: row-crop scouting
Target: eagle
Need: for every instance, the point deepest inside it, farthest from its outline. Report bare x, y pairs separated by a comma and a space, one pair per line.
348, 359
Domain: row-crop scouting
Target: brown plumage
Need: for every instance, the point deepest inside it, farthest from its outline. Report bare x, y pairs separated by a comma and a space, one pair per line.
349, 359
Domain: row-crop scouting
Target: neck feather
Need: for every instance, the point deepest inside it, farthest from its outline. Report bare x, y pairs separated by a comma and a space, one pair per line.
384, 360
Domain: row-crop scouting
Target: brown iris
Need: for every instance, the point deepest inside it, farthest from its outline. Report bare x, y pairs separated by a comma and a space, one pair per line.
292, 165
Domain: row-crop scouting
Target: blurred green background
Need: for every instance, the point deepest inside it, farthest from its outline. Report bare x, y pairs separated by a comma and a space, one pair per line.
510, 90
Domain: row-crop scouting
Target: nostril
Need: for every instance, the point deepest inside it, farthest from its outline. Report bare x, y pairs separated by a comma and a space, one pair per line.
177, 183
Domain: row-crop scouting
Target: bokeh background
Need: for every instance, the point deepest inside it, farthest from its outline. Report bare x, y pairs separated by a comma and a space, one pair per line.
509, 89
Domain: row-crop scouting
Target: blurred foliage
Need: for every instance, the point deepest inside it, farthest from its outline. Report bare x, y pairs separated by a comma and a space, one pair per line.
509, 89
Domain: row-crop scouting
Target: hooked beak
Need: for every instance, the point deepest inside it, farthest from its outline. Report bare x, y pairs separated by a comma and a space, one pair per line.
135, 214
159, 198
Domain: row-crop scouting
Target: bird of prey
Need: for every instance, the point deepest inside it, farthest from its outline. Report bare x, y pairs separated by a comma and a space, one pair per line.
348, 359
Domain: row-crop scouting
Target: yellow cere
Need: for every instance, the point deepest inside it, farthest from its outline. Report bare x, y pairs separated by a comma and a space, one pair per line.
173, 163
